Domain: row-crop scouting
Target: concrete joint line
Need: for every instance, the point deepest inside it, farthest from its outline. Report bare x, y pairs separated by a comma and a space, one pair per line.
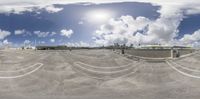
37, 66
181, 72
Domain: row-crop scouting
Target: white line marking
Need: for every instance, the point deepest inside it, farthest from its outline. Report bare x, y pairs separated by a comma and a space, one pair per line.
110, 67
23, 68
183, 73
123, 58
186, 55
197, 54
186, 68
103, 78
111, 72
18, 76
85, 56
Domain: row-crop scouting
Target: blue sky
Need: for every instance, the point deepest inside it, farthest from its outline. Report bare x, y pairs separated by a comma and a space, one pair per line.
89, 24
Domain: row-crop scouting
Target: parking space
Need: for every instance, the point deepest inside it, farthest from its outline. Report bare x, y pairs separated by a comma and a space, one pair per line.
95, 74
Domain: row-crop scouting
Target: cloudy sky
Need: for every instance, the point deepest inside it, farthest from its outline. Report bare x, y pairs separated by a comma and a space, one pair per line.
99, 22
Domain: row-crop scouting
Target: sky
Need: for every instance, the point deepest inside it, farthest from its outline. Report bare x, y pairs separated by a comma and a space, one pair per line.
99, 22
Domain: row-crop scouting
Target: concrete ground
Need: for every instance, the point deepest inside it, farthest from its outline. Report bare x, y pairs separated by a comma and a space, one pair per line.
95, 74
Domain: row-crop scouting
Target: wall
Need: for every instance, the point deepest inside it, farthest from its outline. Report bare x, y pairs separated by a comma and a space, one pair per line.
155, 53
151, 53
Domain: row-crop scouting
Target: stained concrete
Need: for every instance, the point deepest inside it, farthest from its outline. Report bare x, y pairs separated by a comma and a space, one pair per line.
95, 74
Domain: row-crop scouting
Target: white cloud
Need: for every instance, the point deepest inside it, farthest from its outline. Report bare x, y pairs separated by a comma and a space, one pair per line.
80, 22
122, 30
41, 34
98, 16
53, 33
129, 30
52, 40
162, 30
27, 42
6, 42
4, 34
66, 32
18, 32
191, 38
16, 9
41, 42
78, 44
52, 9
22, 32
19, 6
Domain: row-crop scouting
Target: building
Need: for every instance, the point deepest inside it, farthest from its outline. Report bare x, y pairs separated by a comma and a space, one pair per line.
52, 47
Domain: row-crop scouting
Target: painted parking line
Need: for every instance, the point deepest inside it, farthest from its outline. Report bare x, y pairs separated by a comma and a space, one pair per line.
105, 72
84, 56
135, 69
186, 68
181, 72
107, 67
37, 66
23, 68
108, 78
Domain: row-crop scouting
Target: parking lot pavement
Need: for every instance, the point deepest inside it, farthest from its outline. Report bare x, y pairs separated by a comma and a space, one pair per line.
89, 74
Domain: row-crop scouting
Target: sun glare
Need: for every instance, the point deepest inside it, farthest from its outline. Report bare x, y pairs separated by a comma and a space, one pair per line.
99, 16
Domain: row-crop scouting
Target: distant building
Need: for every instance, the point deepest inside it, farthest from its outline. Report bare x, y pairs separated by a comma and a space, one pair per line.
163, 47
52, 47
